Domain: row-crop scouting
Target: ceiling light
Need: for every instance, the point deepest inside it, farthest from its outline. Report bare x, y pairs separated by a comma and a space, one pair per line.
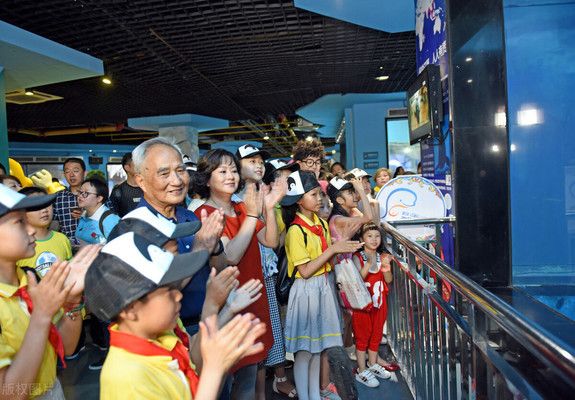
29, 92
513, 147
291, 155
333, 151
107, 80
266, 137
309, 138
468, 59
529, 116
114, 151
382, 78
495, 148
470, 81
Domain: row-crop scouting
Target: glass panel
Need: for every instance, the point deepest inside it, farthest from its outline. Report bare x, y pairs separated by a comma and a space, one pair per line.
401, 153
539, 45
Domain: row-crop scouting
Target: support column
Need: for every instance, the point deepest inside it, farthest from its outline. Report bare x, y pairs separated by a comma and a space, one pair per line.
478, 101
186, 138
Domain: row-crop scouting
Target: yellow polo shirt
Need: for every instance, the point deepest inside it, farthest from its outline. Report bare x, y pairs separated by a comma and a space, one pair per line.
298, 252
14, 321
127, 375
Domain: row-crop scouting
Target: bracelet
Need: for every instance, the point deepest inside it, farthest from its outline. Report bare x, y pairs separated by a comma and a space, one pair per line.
73, 313
220, 249
253, 216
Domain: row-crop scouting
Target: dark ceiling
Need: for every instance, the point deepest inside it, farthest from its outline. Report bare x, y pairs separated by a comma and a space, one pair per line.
232, 59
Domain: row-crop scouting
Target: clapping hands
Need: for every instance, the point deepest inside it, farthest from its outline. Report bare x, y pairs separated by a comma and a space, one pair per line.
245, 295
274, 193
211, 231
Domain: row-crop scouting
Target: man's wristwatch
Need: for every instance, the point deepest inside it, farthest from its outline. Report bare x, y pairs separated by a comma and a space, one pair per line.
220, 249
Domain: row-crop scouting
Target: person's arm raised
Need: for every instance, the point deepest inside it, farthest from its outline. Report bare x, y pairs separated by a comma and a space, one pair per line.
47, 298
308, 269
269, 236
236, 247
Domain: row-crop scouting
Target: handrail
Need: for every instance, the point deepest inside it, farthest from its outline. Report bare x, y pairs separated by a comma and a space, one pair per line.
549, 349
423, 221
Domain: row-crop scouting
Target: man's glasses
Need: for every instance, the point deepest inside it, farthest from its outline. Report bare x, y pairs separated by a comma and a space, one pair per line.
311, 163
86, 194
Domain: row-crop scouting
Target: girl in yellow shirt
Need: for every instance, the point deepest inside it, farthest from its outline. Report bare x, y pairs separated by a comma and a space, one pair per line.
312, 320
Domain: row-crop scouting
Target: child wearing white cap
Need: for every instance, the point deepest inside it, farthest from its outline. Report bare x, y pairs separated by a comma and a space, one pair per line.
312, 320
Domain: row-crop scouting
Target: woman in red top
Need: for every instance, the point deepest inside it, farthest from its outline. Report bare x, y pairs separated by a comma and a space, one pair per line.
246, 224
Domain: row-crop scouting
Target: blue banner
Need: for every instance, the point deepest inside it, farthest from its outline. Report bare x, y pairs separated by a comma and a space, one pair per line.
431, 48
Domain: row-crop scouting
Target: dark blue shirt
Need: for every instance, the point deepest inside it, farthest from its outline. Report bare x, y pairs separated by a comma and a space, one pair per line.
194, 293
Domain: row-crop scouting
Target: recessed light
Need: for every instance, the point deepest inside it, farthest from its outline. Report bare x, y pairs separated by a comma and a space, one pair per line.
29, 93
114, 151
309, 138
468, 59
382, 78
470, 81
106, 80
266, 137
333, 151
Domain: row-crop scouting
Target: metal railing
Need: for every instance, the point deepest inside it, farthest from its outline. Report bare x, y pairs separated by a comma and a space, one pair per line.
456, 340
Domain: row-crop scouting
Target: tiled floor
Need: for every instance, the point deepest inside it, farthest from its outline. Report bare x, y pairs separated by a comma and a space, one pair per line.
82, 384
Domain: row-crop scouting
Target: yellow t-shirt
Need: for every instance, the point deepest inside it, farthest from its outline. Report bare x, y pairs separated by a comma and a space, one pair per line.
55, 247
298, 252
14, 321
127, 375
279, 219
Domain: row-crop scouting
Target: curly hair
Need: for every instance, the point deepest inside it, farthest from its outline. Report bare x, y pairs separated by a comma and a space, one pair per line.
207, 164
304, 149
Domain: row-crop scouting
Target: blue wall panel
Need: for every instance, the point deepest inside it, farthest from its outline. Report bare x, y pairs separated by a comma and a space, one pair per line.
540, 39
365, 133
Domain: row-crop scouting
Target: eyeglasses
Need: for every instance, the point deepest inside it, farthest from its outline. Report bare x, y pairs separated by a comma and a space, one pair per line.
85, 194
311, 163
70, 171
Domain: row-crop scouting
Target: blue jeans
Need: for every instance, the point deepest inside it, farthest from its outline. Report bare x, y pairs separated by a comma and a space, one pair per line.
241, 385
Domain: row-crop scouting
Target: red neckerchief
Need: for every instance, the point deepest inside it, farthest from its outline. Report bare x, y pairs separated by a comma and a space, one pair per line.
143, 347
53, 335
316, 230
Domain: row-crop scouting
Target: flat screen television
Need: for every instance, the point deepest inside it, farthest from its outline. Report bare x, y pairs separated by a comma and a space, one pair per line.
424, 105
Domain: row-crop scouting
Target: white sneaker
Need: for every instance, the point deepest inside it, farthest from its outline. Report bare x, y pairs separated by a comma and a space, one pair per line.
379, 371
367, 378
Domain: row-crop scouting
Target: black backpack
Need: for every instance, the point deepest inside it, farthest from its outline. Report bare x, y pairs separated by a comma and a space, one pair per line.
285, 282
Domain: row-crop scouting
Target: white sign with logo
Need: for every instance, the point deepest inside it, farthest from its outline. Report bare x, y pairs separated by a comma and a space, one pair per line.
411, 197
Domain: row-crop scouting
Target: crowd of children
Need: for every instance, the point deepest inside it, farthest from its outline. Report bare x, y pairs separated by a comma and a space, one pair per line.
129, 274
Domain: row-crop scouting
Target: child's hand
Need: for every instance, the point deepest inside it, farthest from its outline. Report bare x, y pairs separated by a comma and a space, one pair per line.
211, 230
78, 267
222, 348
357, 185
219, 286
253, 200
245, 295
49, 295
274, 193
346, 246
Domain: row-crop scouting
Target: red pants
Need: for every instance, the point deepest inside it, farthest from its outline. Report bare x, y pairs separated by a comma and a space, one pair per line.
368, 327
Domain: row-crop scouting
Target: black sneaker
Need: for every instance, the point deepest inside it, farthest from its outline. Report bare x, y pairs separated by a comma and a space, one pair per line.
97, 365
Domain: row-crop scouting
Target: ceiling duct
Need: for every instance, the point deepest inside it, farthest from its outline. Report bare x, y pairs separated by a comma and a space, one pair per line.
34, 97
